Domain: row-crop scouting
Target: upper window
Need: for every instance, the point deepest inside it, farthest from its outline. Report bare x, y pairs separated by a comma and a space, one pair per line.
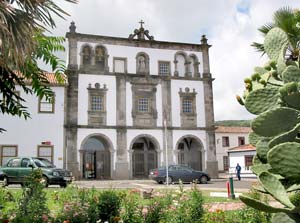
45, 152
187, 106
164, 68
143, 105
46, 106
86, 55
97, 103
241, 140
225, 141
100, 56
8, 152
120, 65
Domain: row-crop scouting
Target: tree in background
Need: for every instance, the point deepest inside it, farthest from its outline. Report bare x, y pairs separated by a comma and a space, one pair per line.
22, 44
273, 94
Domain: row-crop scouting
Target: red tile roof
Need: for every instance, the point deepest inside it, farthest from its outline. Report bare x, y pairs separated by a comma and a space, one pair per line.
232, 129
247, 147
50, 77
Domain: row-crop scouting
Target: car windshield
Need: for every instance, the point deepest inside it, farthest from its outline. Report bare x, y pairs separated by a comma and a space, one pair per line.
43, 163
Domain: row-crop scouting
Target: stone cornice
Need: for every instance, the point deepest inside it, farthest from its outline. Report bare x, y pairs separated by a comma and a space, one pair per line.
137, 43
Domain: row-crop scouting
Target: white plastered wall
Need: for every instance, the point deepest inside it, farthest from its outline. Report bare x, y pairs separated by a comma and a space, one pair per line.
41, 127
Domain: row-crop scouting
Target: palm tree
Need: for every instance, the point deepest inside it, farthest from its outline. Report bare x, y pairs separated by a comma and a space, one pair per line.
22, 43
289, 21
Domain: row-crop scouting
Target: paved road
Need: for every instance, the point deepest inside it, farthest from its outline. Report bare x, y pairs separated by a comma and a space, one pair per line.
214, 185
218, 185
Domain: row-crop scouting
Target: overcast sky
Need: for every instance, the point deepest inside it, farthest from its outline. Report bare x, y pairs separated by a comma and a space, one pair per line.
230, 26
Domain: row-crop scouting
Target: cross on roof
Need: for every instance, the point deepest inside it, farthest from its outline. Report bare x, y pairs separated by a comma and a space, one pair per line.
141, 22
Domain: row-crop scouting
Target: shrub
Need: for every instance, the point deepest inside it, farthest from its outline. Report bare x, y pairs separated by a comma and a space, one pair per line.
131, 212
32, 207
109, 204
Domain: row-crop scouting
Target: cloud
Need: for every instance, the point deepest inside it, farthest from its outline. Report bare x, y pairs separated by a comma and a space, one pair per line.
231, 27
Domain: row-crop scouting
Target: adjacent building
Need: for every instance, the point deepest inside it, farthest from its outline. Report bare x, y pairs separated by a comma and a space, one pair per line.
227, 139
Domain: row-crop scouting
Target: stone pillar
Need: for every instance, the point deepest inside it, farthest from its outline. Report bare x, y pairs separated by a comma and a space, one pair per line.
211, 162
122, 163
71, 107
167, 110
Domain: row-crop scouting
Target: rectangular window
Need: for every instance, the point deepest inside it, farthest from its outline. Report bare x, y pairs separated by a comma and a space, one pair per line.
46, 106
241, 141
45, 152
143, 105
225, 141
187, 106
225, 163
248, 161
164, 68
97, 103
8, 152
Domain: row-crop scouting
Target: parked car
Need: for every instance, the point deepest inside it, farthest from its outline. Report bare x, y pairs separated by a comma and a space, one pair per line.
178, 172
17, 169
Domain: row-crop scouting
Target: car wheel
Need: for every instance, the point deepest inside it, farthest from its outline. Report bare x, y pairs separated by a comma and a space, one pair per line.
169, 180
63, 185
203, 179
5, 181
44, 181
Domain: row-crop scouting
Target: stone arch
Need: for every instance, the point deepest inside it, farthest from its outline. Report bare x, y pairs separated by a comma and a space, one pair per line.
86, 54
144, 153
194, 65
181, 62
142, 63
190, 151
101, 57
96, 157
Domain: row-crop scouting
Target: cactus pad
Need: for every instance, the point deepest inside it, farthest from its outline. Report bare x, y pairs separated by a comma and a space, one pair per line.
253, 138
262, 148
274, 41
285, 160
275, 187
282, 218
276, 121
291, 74
293, 100
285, 137
259, 168
262, 100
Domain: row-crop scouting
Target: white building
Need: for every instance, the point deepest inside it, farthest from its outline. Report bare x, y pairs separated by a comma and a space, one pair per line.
120, 90
40, 136
242, 155
108, 121
228, 137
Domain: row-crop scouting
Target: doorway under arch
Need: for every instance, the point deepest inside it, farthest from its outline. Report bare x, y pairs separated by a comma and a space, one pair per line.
144, 156
190, 152
96, 158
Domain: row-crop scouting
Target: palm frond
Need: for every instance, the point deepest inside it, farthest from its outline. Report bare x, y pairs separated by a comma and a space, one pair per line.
266, 28
259, 47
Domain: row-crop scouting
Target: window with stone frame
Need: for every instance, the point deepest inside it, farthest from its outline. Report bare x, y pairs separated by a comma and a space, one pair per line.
241, 140
164, 68
97, 104
144, 112
46, 105
7, 152
46, 152
188, 112
225, 141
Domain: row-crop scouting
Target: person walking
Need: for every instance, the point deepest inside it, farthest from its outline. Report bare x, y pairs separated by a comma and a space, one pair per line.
238, 171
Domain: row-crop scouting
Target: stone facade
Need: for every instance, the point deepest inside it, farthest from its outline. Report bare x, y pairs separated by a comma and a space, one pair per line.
143, 121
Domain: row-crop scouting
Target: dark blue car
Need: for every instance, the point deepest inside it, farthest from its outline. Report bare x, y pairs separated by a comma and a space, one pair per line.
178, 172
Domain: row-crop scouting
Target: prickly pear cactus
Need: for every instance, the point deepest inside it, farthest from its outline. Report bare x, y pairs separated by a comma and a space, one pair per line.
273, 94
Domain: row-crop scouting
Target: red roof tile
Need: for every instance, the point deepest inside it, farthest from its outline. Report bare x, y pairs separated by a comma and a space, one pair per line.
51, 78
247, 147
232, 129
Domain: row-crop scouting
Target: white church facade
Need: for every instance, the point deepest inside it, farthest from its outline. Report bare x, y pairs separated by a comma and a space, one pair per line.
120, 91
125, 103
